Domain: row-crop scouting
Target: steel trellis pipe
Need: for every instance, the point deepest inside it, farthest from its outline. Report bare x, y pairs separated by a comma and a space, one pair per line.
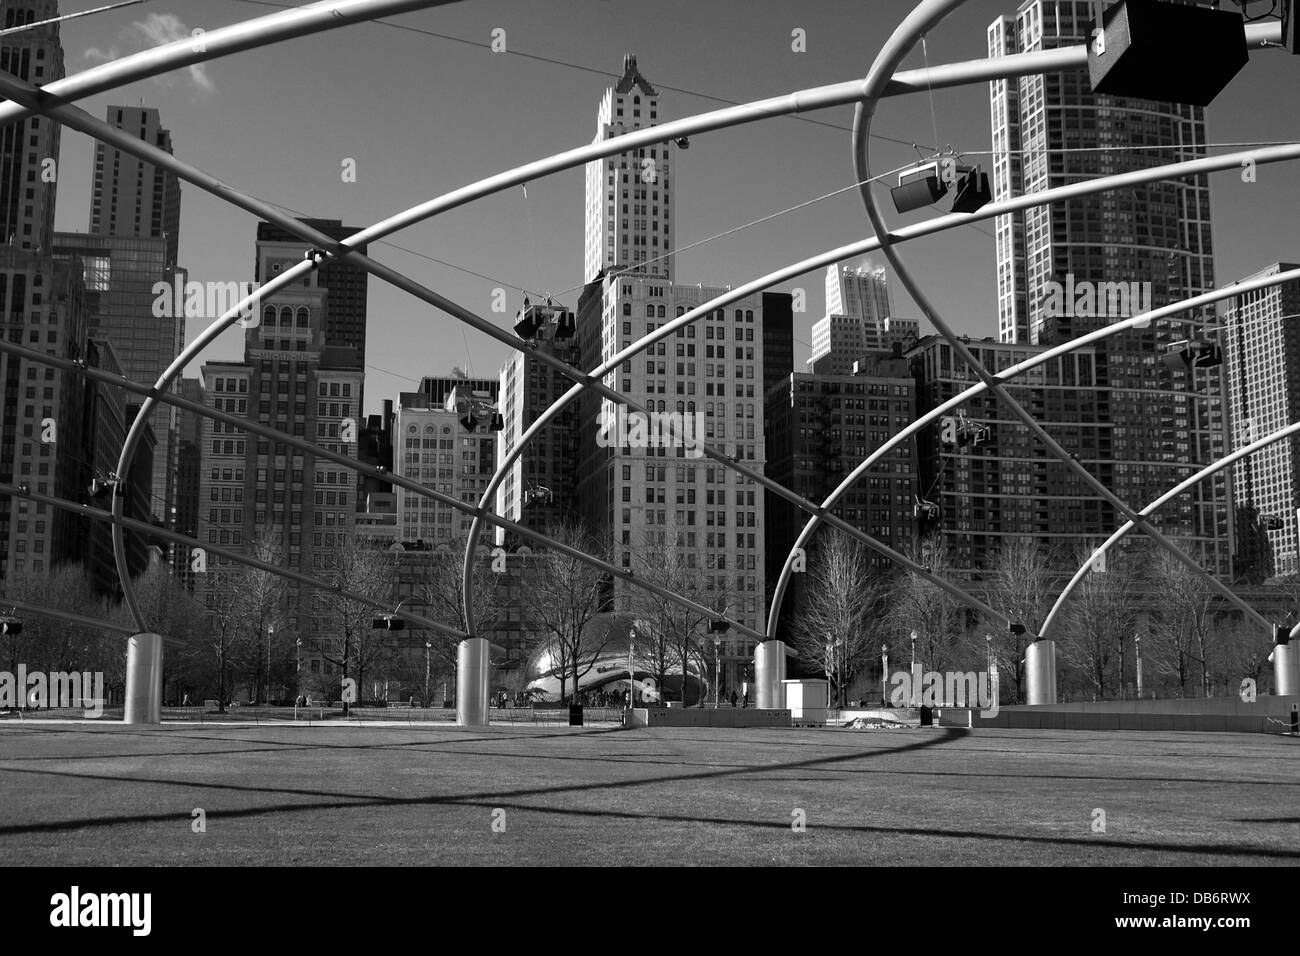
223, 41
1164, 499
919, 22
68, 616
1134, 322
254, 33
19, 491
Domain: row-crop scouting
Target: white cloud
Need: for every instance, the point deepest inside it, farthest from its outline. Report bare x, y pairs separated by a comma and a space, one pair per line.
155, 30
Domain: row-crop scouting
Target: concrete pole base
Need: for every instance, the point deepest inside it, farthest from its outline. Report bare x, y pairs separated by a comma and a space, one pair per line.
1286, 669
769, 671
472, 682
144, 653
1040, 672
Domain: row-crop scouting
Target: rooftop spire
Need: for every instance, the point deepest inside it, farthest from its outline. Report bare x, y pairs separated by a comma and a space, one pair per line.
632, 77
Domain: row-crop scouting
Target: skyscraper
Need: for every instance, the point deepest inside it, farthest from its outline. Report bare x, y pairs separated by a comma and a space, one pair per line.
294, 380
541, 487
1070, 267
29, 149
1261, 350
129, 196
345, 314
123, 271
629, 195
433, 447
858, 321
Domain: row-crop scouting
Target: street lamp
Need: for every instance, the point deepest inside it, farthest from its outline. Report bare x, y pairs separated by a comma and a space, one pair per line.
1137, 650
428, 645
717, 668
988, 658
297, 643
270, 630
884, 674
916, 684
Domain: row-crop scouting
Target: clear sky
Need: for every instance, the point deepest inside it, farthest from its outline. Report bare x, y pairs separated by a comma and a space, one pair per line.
422, 115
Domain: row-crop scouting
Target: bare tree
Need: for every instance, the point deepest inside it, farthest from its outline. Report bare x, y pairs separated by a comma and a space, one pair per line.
671, 637
1020, 583
566, 596
440, 589
834, 624
1181, 621
347, 638
1098, 626
918, 604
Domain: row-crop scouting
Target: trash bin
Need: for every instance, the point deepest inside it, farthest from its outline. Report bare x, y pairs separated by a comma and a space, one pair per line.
927, 716
575, 715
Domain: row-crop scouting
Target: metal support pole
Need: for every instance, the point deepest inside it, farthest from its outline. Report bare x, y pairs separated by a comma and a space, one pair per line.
1040, 672
472, 682
144, 655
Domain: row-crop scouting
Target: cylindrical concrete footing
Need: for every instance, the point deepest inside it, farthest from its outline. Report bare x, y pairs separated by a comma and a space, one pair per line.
1040, 672
144, 654
1286, 669
472, 682
769, 671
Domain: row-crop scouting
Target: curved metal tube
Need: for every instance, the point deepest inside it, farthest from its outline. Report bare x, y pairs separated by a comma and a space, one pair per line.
144, 527
321, 16
1134, 322
927, 15
1164, 499
97, 623
223, 41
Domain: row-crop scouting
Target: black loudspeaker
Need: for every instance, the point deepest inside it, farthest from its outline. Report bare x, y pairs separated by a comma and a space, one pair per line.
1290, 26
918, 193
1166, 51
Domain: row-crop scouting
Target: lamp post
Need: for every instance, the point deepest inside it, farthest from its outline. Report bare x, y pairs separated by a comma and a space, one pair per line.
988, 658
717, 669
1137, 650
884, 674
270, 630
916, 684
428, 645
297, 643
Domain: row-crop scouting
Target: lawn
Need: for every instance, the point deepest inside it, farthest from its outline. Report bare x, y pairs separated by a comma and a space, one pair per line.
84, 794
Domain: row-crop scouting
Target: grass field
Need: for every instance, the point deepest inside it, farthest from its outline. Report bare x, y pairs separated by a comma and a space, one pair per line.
77, 794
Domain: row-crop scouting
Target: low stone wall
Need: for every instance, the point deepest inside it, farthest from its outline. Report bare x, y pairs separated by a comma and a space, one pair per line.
1268, 714
708, 717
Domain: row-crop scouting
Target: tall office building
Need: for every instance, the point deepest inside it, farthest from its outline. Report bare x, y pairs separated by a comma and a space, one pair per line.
1050, 130
130, 197
1262, 356
858, 321
189, 477
432, 446
43, 305
123, 271
540, 489
1078, 265
294, 380
29, 149
819, 428
345, 318
665, 497
629, 196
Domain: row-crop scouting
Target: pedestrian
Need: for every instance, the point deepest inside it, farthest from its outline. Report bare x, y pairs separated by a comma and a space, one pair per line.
734, 698
186, 701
